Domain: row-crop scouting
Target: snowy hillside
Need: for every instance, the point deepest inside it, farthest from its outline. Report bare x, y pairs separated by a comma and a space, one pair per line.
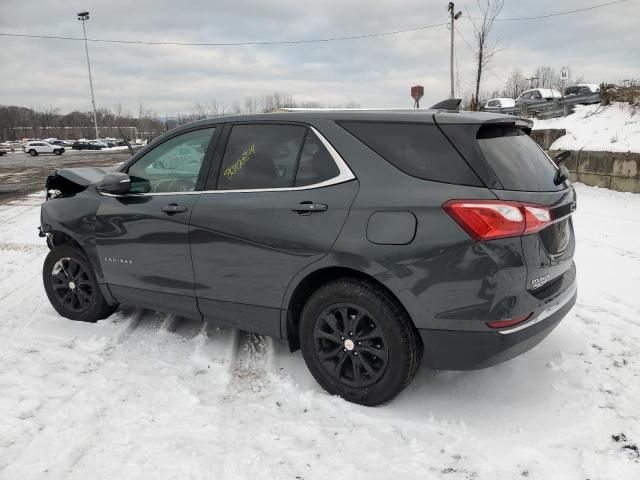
615, 128
143, 395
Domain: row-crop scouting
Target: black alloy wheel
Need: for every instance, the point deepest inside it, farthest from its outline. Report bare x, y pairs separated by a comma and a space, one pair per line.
358, 341
350, 346
33, 153
71, 284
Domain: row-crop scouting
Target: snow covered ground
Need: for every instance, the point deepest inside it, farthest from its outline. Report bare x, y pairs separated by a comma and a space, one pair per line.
143, 395
615, 128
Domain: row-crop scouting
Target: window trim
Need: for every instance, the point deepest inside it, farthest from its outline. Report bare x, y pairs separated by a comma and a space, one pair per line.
345, 175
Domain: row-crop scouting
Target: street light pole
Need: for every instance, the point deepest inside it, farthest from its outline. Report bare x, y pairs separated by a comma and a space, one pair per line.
83, 17
454, 16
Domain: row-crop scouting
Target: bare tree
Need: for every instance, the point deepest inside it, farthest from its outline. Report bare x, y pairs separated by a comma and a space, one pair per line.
515, 85
250, 105
547, 76
489, 10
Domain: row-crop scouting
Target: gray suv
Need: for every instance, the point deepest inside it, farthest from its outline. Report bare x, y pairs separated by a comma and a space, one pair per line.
374, 241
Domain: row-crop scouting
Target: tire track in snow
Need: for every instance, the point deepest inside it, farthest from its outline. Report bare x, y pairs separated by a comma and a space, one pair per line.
253, 361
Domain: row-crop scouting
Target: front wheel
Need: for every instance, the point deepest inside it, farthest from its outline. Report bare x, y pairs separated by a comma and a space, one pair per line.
358, 342
72, 287
33, 153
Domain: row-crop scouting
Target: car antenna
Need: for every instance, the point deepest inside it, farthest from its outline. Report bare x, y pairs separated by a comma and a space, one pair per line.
448, 104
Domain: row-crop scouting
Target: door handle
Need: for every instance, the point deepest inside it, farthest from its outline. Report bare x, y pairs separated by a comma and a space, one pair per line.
307, 208
173, 208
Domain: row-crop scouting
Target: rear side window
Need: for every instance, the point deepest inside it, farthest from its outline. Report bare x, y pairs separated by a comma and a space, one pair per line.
261, 156
316, 164
418, 149
517, 161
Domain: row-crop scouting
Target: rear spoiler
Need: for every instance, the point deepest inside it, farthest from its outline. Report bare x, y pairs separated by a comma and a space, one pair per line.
525, 124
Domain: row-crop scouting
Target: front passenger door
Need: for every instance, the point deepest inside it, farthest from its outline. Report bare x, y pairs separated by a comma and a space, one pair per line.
142, 237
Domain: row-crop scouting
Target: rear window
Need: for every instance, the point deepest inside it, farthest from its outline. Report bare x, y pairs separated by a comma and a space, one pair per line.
518, 162
419, 150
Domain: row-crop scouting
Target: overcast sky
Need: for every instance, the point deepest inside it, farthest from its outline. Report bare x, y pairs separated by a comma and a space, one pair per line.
599, 45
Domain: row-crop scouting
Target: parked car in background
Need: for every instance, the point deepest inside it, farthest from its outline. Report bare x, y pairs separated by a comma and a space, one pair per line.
497, 104
366, 239
41, 147
582, 89
11, 146
536, 95
590, 92
109, 142
88, 145
60, 143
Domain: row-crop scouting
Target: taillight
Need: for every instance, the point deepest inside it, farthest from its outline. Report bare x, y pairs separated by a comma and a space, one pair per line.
491, 219
508, 323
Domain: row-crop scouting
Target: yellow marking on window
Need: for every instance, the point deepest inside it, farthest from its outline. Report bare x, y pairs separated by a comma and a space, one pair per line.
238, 164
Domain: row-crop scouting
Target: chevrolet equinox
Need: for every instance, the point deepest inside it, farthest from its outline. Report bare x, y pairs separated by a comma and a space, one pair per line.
370, 240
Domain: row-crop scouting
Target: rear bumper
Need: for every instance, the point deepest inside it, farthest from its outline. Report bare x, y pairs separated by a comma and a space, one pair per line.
471, 350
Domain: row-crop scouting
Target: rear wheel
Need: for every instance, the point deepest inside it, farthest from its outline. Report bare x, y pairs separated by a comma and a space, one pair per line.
58, 152
72, 287
33, 153
358, 342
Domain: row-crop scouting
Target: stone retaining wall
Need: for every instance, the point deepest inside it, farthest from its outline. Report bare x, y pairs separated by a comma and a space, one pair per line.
615, 170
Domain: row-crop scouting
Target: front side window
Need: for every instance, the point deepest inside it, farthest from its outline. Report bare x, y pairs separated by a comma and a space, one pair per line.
172, 166
261, 156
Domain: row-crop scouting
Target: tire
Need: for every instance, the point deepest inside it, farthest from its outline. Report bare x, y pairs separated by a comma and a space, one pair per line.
57, 152
33, 153
372, 361
72, 287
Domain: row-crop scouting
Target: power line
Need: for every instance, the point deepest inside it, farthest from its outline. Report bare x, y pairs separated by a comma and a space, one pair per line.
568, 12
228, 44
465, 41
294, 42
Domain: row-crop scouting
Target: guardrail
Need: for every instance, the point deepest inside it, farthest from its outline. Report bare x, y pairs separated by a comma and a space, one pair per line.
557, 107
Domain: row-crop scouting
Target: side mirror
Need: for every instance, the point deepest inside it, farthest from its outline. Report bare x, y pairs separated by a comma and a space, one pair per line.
115, 183
562, 175
562, 156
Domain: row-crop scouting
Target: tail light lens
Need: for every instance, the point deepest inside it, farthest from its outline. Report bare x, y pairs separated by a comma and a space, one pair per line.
491, 219
508, 323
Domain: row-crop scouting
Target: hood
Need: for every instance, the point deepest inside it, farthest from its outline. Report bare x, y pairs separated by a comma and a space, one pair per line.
69, 181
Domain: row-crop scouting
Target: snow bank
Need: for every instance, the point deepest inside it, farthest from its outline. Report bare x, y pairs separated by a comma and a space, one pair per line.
615, 128
143, 395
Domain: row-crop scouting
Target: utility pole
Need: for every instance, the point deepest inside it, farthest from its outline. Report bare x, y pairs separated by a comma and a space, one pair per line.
83, 17
454, 16
531, 79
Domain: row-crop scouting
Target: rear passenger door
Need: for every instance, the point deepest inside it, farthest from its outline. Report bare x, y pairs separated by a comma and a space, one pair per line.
276, 200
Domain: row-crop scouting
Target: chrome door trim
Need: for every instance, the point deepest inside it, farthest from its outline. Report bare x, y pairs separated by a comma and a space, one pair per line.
345, 174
